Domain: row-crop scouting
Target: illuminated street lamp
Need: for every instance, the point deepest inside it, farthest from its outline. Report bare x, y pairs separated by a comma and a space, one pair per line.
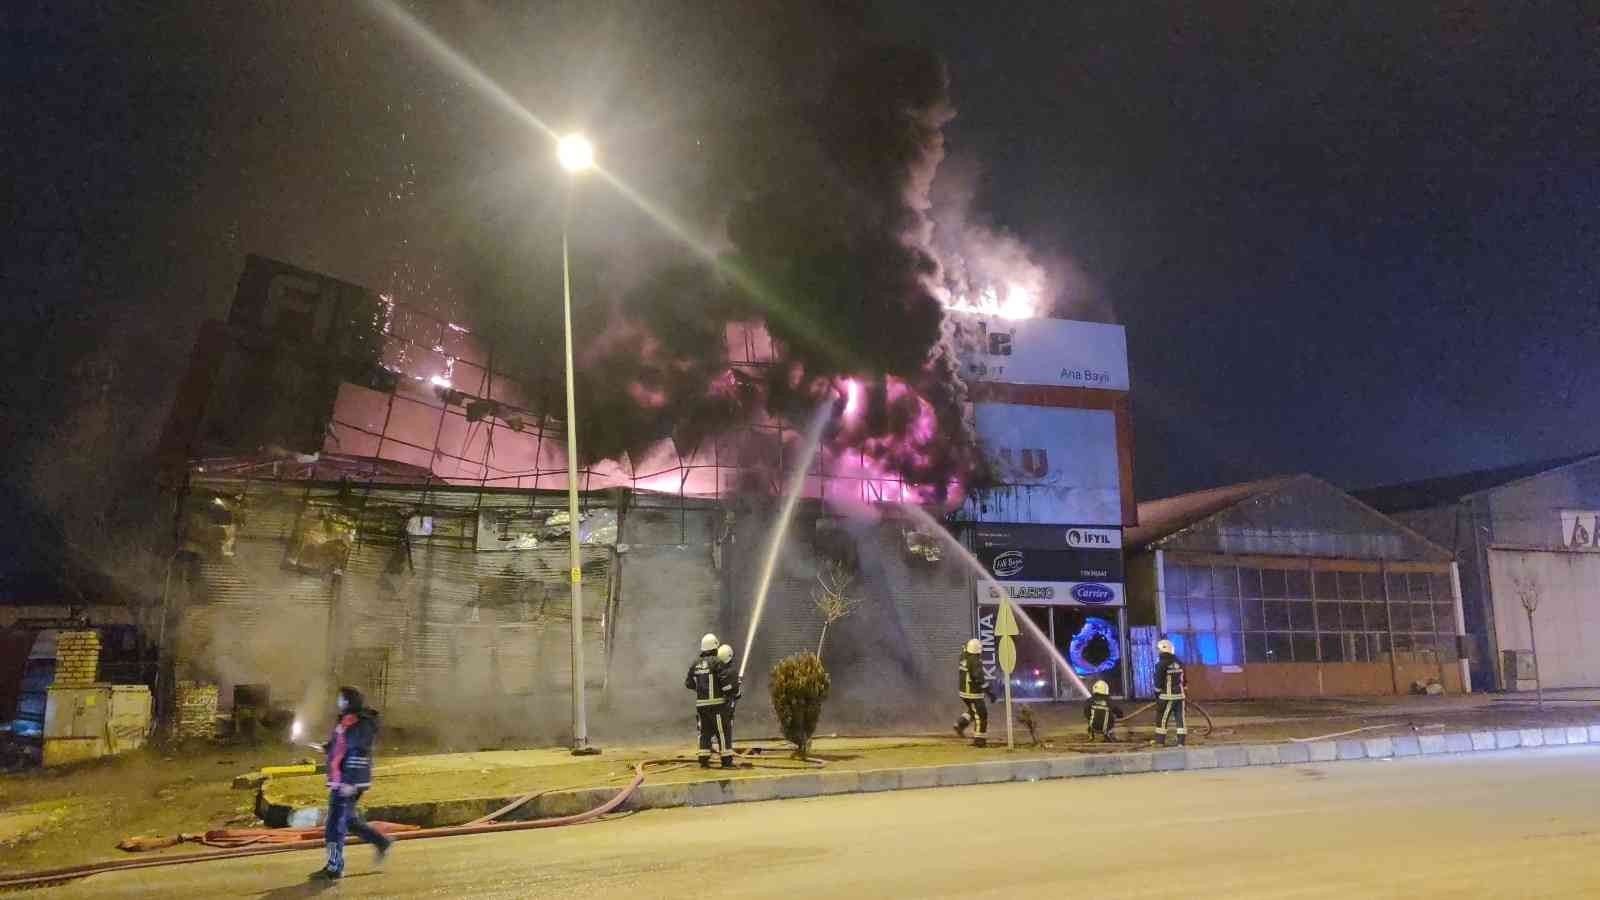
576, 153
577, 156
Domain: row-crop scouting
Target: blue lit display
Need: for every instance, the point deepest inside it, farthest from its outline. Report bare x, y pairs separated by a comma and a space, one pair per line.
1094, 628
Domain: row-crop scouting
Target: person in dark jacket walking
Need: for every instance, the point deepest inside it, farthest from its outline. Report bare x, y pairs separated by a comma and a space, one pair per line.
1170, 693
715, 685
1100, 712
973, 687
349, 755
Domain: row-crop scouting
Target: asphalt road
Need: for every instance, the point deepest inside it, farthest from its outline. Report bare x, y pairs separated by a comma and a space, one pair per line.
1515, 824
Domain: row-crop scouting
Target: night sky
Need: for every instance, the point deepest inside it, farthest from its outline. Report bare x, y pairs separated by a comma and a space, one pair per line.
1357, 240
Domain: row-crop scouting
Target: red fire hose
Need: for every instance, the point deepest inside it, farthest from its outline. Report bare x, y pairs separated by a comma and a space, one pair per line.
484, 825
479, 826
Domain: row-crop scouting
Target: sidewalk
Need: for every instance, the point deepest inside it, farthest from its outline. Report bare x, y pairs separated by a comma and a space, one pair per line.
452, 789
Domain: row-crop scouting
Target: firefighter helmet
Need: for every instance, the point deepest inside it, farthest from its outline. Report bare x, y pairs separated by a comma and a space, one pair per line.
974, 646
724, 654
1101, 689
708, 643
1164, 646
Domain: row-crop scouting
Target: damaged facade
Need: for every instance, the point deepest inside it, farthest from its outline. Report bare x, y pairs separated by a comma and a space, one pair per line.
404, 529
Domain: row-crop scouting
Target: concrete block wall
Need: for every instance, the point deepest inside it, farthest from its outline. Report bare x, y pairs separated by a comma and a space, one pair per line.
77, 658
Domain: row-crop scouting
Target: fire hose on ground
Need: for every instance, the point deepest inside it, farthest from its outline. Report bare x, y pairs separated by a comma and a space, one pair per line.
1210, 726
258, 845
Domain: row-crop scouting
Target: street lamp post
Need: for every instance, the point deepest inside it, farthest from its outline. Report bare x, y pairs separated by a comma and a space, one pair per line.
577, 156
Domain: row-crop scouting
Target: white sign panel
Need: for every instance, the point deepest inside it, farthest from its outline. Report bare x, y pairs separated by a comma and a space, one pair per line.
1580, 529
1055, 465
1095, 538
1053, 593
1041, 351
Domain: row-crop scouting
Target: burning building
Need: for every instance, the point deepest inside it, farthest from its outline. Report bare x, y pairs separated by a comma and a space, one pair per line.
367, 498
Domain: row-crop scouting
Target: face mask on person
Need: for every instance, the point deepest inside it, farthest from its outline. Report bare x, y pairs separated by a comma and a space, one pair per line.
342, 703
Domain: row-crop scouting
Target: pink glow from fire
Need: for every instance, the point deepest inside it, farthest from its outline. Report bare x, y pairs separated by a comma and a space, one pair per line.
417, 427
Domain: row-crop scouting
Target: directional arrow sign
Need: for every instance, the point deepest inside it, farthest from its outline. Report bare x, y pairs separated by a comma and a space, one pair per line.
1005, 628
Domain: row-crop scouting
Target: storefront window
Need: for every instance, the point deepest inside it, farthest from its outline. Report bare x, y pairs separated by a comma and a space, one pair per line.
1091, 641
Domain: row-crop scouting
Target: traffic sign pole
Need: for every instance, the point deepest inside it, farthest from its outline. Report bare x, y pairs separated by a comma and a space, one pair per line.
1006, 629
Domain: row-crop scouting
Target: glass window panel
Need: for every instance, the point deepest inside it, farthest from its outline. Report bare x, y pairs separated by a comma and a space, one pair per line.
1305, 647
1372, 587
1252, 615
1419, 586
1377, 615
1224, 581
1226, 610
1255, 648
1230, 648
1444, 618
1206, 647
1200, 617
1351, 615
1199, 580
1447, 648
1423, 645
1175, 583
1177, 613
1379, 644
1034, 677
1278, 648
1439, 587
1299, 583
1183, 647
1300, 617
1332, 646
1326, 585
1421, 617
1277, 614
1273, 583
1397, 588
1400, 616
1349, 585
1249, 582
1327, 616
1402, 642
1355, 648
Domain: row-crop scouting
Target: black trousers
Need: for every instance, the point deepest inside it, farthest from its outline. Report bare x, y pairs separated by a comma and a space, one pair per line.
1169, 715
716, 723
1101, 721
977, 715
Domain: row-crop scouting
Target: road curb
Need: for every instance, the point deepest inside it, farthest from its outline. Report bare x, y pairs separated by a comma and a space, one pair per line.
831, 783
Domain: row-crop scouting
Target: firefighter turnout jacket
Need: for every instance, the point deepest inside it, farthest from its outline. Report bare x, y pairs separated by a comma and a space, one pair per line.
973, 683
713, 683
1170, 681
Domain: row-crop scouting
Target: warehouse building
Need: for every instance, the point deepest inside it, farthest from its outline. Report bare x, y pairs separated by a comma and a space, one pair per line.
1526, 534
1289, 587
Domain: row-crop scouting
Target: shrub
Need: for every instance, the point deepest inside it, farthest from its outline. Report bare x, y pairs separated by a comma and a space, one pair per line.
799, 685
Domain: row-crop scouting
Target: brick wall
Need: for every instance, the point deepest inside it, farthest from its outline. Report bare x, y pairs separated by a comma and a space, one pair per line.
77, 658
197, 711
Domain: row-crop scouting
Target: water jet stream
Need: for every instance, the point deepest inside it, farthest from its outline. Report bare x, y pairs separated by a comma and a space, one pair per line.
936, 528
797, 483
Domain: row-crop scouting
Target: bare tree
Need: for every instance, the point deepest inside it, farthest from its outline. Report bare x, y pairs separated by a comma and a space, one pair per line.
1529, 592
832, 597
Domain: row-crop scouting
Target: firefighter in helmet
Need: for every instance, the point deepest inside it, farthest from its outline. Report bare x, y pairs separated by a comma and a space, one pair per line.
731, 690
709, 683
1100, 713
973, 686
1170, 684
